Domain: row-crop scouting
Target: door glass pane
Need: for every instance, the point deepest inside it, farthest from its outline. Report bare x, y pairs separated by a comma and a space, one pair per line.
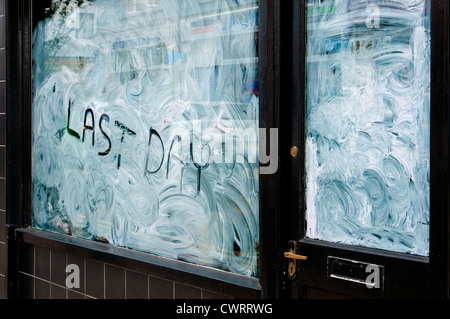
145, 127
368, 123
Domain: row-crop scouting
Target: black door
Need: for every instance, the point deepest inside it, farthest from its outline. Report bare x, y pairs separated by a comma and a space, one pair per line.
369, 152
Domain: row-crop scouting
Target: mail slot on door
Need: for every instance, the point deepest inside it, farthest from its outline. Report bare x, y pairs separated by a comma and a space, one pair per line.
358, 272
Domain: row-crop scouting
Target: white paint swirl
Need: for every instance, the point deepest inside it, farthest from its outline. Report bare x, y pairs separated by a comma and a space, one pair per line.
368, 123
114, 84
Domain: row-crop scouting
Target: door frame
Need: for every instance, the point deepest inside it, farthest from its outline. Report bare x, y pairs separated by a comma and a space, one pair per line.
430, 275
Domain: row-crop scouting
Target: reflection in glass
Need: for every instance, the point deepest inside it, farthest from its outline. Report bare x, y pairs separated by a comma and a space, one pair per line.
368, 123
145, 121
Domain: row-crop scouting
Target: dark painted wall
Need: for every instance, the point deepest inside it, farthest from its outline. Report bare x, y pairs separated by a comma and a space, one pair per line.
3, 246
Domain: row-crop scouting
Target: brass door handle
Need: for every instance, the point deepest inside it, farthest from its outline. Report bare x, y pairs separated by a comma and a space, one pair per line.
294, 256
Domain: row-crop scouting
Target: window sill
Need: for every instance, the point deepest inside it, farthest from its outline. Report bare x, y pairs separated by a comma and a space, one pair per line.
170, 269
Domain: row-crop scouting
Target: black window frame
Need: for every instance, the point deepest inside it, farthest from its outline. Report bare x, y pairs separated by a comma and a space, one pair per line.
20, 17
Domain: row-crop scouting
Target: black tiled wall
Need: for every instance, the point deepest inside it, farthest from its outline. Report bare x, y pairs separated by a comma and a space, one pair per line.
3, 246
42, 275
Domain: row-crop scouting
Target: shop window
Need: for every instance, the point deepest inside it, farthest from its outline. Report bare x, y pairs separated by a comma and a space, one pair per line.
145, 127
368, 124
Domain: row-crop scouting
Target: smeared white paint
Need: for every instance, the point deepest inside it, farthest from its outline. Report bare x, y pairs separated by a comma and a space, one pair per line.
153, 72
368, 108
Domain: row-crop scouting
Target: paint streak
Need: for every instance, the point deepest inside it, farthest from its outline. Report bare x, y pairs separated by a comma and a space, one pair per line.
368, 123
113, 86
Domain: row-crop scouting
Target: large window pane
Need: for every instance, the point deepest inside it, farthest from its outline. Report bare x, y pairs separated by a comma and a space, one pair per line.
368, 123
145, 127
